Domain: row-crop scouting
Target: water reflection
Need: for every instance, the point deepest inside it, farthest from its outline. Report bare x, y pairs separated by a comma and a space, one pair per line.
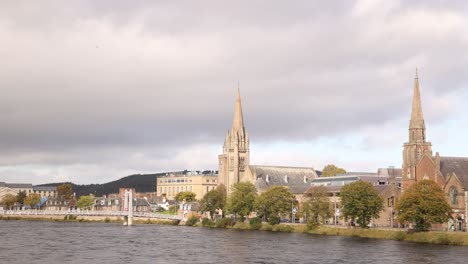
51, 242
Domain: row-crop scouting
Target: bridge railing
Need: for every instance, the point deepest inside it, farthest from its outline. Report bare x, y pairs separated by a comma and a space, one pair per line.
86, 213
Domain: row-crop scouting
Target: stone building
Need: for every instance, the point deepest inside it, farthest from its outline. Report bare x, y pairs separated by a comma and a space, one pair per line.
450, 173
234, 163
14, 188
386, 182
187, 181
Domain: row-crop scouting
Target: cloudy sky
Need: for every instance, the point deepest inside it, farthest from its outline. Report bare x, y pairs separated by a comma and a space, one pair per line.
92, 91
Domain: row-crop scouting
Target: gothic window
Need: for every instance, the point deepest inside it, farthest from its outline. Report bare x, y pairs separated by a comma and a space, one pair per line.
453, 195
241, 163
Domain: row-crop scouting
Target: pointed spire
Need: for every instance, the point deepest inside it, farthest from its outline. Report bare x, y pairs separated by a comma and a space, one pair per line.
417, 119
238, 123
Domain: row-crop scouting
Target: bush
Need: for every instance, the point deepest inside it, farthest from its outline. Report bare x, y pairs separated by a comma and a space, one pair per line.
255, 223
230, 222
266, 227
221, 222
65, 217
207, 222
107, 220
400, 236
191, 220
312, 225
273, 220
282, 228
241, 225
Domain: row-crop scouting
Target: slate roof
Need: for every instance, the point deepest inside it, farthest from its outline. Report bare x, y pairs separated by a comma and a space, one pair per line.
44, 188
298, 178
18, 185
457, 165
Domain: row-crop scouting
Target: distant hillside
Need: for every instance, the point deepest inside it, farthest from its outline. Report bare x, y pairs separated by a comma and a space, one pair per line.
141, 183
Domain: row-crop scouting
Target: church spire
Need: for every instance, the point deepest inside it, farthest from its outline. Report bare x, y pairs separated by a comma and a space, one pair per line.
417, 119
238, 123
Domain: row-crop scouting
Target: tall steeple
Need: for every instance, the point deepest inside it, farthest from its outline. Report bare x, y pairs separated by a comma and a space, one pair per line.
417, 147
238, 122
417, 119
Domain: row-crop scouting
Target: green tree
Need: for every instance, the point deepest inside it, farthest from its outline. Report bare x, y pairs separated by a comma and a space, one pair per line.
65, 191
187, 196
423, 204
276, 201
360, 201
332, 170
212, 201
317, 206
222, 189
85, 202
8, 201
32, 200
242, 199
20, 197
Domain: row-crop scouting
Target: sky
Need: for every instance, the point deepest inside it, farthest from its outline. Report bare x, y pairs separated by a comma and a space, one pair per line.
92, 91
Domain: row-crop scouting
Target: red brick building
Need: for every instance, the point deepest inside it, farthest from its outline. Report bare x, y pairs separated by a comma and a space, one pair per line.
450, 173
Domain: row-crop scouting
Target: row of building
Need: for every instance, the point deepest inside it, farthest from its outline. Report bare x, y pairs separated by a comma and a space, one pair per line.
15, 188
418, 163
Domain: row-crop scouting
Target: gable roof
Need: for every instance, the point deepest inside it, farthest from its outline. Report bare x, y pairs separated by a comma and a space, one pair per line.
298, 178
457, 165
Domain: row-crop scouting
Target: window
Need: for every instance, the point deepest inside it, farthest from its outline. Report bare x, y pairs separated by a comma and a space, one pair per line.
453, 195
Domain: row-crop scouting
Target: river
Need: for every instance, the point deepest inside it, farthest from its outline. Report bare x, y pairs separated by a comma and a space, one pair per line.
71, 242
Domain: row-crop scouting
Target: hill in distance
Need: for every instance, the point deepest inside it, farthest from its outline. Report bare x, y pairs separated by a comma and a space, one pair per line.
141, 183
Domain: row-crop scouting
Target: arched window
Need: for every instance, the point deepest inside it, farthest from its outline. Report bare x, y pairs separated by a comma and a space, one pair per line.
453, 195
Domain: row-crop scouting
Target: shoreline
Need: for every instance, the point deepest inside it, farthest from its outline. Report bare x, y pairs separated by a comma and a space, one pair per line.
431, 237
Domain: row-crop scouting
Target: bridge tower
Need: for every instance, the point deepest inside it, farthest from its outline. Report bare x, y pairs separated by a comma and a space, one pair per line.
128, 207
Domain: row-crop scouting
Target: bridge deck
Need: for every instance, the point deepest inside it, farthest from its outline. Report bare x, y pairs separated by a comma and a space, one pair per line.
88, 213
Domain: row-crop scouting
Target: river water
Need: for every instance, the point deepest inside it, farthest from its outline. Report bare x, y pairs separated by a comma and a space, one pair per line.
70, 242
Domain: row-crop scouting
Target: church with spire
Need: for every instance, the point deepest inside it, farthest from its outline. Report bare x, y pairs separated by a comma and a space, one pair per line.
235, 158
234, 163
450, 173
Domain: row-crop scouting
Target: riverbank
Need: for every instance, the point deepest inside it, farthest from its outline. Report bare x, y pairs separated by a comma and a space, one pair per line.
439, 238
433, 237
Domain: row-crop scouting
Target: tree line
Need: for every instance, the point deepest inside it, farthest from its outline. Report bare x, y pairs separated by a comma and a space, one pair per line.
422, 205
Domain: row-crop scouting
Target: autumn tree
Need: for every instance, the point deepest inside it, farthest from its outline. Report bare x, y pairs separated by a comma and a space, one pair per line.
276, 201
65, 191
85, 202
8, 201
242, 199
317, 206
332, 170
185, 196
32, 200
20, 197
360, 201
423, 204
212, 201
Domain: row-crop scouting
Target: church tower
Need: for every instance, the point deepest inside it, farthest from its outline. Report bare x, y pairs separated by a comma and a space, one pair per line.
417, 147
234, 161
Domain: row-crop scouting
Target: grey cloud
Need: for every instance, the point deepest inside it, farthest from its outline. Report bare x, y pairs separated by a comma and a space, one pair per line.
91, 76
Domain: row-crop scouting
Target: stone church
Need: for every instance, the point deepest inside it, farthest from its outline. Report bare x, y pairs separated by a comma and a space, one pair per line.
450, 173
234, 164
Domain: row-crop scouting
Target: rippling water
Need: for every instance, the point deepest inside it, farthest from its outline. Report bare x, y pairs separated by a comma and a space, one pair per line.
58, 242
